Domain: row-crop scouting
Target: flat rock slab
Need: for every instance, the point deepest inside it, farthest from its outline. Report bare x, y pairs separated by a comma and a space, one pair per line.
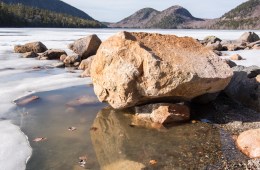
137, 68
248, 142
26, 100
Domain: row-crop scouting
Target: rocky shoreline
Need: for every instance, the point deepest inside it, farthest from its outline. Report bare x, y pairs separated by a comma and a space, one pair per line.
166, 79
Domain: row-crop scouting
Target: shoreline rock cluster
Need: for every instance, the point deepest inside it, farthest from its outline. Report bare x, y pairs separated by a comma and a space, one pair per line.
160, 75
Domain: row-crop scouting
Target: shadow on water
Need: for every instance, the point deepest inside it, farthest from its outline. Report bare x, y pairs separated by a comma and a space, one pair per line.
113, 139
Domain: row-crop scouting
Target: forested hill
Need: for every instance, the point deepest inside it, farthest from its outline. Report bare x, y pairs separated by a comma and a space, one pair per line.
52, 5
18, 15
244, 16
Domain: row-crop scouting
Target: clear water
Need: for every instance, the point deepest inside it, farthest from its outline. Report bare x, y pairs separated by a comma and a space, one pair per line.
48, 117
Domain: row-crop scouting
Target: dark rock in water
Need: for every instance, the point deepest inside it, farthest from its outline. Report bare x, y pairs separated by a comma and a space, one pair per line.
249, 37
30, 55
137, 68
244, 87
25, 100
249, 143
231, 63
52, 54
70, 60
163, 113
87, 46
83, 100
37, 47
120, 146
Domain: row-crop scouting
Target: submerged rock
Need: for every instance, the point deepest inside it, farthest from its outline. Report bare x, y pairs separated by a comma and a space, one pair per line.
86, 46
163, 113
137, 68
52, 54
26, 100
37, 47
244, 87
249, 143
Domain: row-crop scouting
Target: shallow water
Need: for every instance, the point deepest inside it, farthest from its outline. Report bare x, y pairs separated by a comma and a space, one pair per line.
109, 138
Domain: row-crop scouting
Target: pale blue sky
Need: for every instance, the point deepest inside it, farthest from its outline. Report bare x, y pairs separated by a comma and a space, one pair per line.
115, 10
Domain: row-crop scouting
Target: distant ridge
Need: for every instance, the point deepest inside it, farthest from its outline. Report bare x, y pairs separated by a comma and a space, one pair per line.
52, 5
244, 16
172, 17
18, 15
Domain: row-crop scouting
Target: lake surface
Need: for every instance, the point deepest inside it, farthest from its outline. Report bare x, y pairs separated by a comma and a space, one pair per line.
51, 118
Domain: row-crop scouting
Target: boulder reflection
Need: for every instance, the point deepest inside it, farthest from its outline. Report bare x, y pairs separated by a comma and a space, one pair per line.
120, 145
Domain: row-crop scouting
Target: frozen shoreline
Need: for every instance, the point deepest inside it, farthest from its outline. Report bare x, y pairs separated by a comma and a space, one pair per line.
18, 78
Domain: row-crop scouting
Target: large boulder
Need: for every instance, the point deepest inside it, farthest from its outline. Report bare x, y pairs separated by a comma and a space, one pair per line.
137, 68
244, 86
249, 37
211, 39
86, 46
37, 47
52, 54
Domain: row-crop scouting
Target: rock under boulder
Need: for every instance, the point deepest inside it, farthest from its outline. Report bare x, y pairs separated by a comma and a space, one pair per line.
163, 113
37, 47
249, 37
52, 54
137, 68
244, 87
248, 143
214, 46
86, 46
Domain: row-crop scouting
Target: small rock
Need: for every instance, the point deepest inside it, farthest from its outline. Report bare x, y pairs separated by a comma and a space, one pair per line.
230, 63
214, 46
72, 128
248, 143
62, 57
40, 139
153, 162
258, 78
70, 60
86, 63
25, 100
249, 37
37, 47
76, 64
163, 113
58, 65
86, 46
236, 57
30, 55
52, 54
212, 39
